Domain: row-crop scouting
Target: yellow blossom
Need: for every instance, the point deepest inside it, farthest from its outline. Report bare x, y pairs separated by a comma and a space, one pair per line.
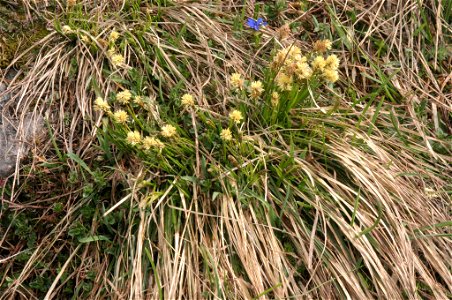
111, 52
133, 137
85, 39
114, 35
117, 59
303, 59
294, 52
187, 100
151, 142
71, 2
101, 105
331, 75
279, 58
124, 96
168, 131
236, 81
120, 116
322, 45
66, 29
275, 99
138, 100
256, 89
287, 56
319, 63
303, 71
332, 62
236, 116
284, 82
226, 134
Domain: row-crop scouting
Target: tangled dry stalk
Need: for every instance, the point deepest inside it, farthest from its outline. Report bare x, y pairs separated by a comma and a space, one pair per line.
371, 231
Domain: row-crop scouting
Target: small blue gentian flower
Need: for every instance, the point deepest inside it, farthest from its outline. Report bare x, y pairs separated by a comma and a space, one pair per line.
256, 24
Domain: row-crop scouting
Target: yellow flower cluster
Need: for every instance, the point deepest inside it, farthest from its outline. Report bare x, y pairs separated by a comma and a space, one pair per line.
319, 63
151, 142
292, 65
121, 116
138, 100
236, 116
114, 35
85, 39
226, 134
329, 71
275, 99
236, 81
116, 59
66, 29
124, 97
256, 89
168, 131
187, 100
284, 81
322, 46
101, 105
133, 137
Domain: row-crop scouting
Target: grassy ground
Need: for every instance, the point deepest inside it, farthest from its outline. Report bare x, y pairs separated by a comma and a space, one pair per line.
311, 189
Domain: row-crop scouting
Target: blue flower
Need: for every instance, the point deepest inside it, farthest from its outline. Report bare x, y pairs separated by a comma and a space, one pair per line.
256, 24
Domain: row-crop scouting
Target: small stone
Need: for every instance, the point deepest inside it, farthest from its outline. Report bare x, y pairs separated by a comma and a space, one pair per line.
15, 145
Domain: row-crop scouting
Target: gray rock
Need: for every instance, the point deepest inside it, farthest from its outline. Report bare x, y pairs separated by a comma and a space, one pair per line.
15, 137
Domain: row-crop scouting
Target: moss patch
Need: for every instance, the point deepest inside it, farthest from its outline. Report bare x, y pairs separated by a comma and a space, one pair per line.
17, 33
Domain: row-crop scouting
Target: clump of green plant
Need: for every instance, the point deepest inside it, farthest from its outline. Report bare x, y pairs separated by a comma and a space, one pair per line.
288, 83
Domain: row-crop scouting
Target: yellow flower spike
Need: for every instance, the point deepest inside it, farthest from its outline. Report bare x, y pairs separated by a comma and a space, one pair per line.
111, 52
275, 99
66, 29
236, 81
85, 39
318, 63
117, 59
138, 100
151, 142
114, 35
279, 58
322, 45
284, 81
256, 89
124, 97
289, 67
121, 116
101, 105
303, 71
332, 62
331, 75
236, 116
168, 131
187, 100
226, 135
294, 52
133, 137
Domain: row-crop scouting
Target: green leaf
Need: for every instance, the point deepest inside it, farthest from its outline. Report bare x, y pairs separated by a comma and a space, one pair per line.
93, 238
